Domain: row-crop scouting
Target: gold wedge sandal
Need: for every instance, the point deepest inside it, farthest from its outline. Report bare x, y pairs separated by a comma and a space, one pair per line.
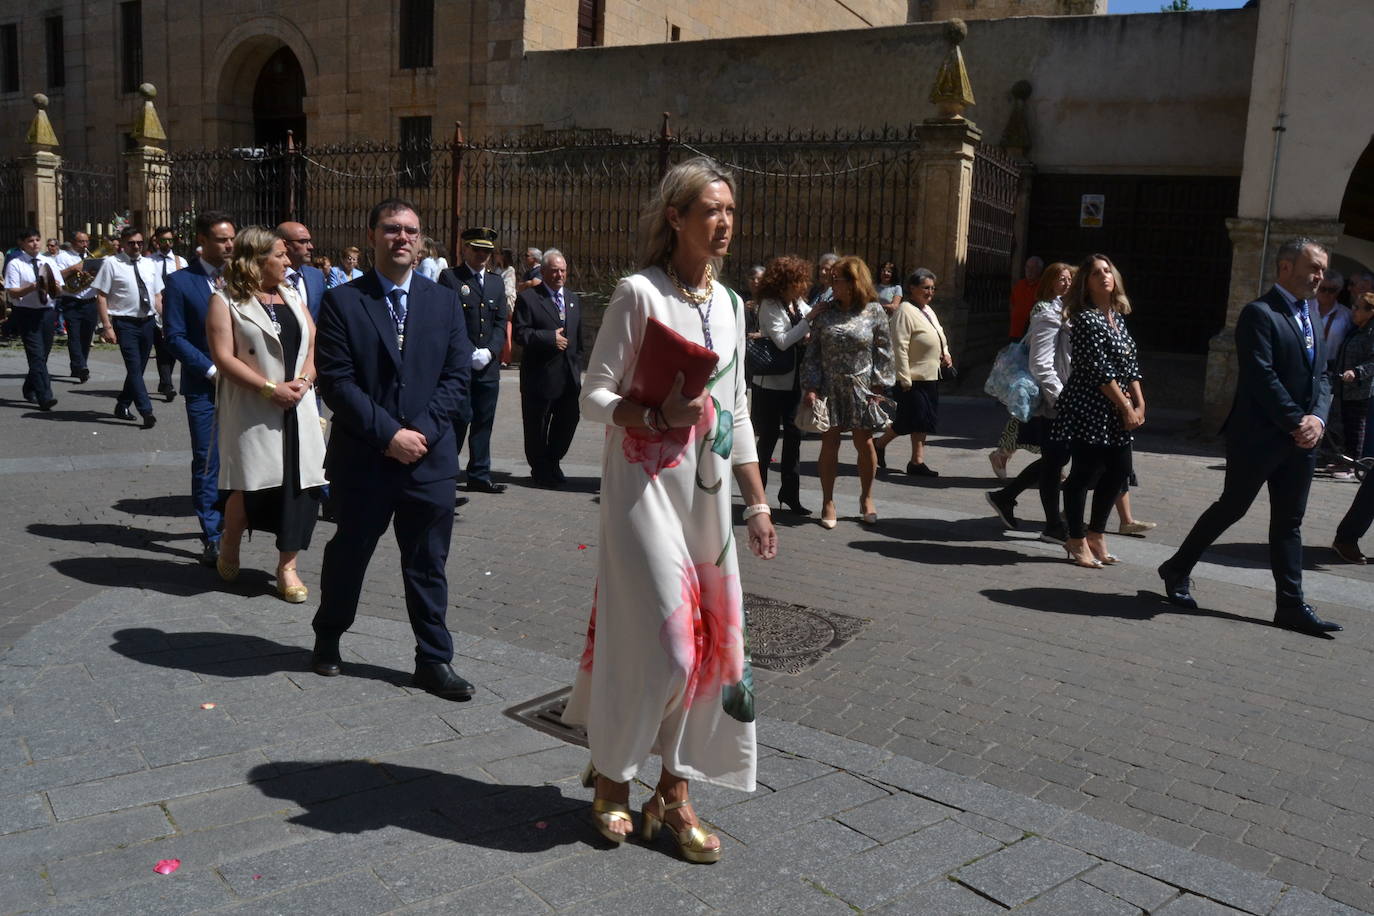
691, 841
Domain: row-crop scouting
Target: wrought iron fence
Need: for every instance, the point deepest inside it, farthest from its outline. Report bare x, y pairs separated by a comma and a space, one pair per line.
88, 197
991, 247
13, 216
248, 182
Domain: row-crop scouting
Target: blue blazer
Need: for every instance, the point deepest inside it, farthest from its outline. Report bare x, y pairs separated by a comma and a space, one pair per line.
1276, 384
185, 300
314, 289
375, 389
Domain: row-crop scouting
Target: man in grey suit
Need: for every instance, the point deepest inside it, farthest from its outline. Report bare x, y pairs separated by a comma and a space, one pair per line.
1276, 421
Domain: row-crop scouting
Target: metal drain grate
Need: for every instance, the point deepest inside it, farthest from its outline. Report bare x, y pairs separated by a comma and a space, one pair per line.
546, 714
789, 638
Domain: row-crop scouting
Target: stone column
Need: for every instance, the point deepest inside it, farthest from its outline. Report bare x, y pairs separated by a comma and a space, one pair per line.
40, 172
146, 168
1247, 240
945, 191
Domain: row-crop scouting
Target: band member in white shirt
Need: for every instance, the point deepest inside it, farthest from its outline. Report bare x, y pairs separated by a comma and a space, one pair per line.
128, 290
30, 281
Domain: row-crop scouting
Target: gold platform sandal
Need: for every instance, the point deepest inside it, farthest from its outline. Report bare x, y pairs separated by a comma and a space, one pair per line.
292, 594
606, 812
691, 841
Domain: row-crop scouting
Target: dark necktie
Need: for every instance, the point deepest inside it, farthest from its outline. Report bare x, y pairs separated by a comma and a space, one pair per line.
396, 304
38, 281
165, 258
562, 312
145, 302
1308, 340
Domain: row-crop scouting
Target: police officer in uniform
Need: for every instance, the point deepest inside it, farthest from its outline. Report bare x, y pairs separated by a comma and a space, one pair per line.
483, 295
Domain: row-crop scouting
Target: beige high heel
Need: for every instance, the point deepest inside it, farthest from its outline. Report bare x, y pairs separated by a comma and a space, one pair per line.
691, 841
1082, 556
291, 594
606, 812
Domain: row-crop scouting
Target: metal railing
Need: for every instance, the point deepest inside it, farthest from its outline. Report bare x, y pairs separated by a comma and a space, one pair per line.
12, 214
991, 247
88, 197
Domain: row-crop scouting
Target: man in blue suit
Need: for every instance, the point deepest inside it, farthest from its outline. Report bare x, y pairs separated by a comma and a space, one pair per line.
304, 277
1282, 396
483, 297
393, 358
185, 300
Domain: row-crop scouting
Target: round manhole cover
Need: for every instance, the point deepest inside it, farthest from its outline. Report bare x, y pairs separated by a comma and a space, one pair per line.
784, 632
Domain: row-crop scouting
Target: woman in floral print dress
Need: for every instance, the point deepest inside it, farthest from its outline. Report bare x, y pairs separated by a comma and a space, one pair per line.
666, 667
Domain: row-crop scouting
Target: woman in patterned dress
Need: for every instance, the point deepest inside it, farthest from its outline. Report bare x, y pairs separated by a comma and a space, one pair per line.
1099, 407
666, 665
849, 363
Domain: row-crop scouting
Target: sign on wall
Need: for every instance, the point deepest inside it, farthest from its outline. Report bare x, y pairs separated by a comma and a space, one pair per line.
1090, 211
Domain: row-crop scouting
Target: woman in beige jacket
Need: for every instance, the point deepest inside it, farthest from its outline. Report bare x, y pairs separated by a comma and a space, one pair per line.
919, 350
271, 447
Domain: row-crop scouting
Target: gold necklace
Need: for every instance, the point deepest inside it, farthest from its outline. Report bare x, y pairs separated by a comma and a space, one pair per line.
694, 296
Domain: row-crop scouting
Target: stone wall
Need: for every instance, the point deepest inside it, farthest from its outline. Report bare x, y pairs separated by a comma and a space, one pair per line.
1129, 94
934, 10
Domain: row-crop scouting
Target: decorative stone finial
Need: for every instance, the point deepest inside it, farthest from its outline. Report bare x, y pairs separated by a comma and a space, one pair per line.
147, 130
952, 92
40, 131
1016, 137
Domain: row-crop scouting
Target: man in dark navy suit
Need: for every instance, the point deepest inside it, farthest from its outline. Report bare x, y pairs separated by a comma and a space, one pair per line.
185, 301
483, 295
393, 358
305, 278
548, 325
1276, 422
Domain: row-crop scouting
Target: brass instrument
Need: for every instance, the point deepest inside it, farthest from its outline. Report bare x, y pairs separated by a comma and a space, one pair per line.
78, 280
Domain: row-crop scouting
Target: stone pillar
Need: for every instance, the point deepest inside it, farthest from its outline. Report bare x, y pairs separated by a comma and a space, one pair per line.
1247, 284
40, 173
146, 168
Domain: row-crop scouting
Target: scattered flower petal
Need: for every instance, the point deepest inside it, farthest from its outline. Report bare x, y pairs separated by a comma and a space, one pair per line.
167, 866
581, 546
540, 825
207, 705
257, 877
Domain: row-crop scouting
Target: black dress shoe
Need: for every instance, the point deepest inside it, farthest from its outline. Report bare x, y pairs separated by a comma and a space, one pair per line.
169, 393
149, 421
920, 470
1349, 551
209, 556
1004, 507
459, 502
793, 504
558, 475
49, 404
123, 412
325, 660
82, 376
440, 679
1304, 619
1176, 588
485, 486
544, 481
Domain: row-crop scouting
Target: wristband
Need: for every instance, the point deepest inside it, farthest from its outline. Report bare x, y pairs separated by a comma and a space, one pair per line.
757, 509
267, 389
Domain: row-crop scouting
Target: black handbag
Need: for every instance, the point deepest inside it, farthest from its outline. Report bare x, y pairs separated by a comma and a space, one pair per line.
762, 357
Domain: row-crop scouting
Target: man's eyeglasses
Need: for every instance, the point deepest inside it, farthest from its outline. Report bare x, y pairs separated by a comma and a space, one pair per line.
136, 243
398, 229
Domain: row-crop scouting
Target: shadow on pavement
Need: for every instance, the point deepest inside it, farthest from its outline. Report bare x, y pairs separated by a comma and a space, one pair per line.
160, 575
223, 654
157, 506
946, 555
57, 414
119, 536
354, 796
1143, 605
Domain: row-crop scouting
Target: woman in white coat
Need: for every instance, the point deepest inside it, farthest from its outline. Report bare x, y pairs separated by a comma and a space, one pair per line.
271, 446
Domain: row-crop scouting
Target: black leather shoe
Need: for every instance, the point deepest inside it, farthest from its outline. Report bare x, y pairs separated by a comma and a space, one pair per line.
1304, 619
440, 679
83, 376
325, 660
149, 421
49, 404
485, 486
793, 504
544, 481
1176, 588
123, 412
1349, 551
920, 470
1004, 507
558, 475
459, 502
209, 556
169, 394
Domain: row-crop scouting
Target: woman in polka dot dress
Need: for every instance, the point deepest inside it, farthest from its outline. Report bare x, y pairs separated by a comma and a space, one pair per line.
1099, 407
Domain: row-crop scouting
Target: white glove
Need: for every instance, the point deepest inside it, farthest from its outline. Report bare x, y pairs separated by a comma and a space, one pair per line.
480, 358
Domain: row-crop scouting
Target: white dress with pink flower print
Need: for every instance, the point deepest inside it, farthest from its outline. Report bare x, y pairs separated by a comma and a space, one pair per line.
666, 667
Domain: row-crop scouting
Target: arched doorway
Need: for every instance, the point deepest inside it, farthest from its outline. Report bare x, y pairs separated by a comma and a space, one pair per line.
1355, 250
278, 97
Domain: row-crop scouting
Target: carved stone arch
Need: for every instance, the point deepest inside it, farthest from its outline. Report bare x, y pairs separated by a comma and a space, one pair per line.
236, 64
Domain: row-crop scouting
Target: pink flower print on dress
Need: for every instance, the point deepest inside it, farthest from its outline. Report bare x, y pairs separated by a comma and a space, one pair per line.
590, 645
658, 451
705, 634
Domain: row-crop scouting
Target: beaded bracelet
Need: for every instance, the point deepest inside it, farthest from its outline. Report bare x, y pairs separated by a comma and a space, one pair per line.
757, 509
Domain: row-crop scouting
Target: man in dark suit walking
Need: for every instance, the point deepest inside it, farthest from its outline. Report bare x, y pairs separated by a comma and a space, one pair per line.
483, 295
305, 278
185, 301
1276, 422
548, 325
393, 358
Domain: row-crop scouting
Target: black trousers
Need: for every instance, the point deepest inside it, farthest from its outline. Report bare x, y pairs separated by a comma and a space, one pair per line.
1102, 469
35, 328
81, 317
549, 427
1287, 471
773, 410
477, 431
1360, 515
421, 514
135, 339
166, 361
1043, 473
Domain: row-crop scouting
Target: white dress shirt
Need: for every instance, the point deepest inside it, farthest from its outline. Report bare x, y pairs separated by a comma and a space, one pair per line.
20, 273
116, 281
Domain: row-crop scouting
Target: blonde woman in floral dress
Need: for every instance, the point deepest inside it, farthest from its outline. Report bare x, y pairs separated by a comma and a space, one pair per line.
666, 666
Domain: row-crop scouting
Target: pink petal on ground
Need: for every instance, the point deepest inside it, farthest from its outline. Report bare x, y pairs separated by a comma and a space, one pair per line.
581, 546
167, 866
207, 705
257, 877
541, 824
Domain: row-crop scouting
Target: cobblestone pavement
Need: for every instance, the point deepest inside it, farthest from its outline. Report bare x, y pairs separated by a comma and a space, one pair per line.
984, 661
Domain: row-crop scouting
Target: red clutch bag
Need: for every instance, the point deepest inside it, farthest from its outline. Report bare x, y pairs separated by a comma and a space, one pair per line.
662, 356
